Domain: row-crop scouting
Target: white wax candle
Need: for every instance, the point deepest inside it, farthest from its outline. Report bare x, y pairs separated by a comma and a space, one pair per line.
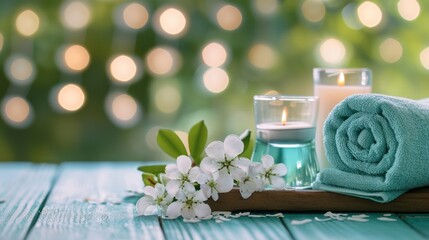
329, 97
291, 132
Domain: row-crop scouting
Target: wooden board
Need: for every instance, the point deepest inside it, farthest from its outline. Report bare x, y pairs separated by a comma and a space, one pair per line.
311, 200
75, 208
23, 189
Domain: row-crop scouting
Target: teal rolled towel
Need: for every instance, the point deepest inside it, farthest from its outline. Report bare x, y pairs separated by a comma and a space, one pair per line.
378, 147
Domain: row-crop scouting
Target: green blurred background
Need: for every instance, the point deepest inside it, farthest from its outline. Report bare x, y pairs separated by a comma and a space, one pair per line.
94, 80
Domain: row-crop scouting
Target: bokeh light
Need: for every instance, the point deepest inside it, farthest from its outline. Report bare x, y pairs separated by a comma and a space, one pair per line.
266, 7
215, 80
124, 69
70, 97
75, 15
123, 110
390, 50
229, 17
75, 58
424, 58
27, 23
214, 54
133, 15
163, 61
408, 9
168, 99
20, 69
262, 56
332, 51
313, 10
17, 112
369, 14
171, 22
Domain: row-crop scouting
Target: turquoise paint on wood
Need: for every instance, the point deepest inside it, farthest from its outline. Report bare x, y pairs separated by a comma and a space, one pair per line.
239, 228
419, 222
23, 187
69, 215
335, 229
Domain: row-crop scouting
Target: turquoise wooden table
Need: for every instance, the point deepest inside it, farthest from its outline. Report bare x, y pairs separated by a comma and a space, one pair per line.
92, 201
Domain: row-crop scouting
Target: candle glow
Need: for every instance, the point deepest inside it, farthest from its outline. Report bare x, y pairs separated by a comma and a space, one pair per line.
341, 81
284, 116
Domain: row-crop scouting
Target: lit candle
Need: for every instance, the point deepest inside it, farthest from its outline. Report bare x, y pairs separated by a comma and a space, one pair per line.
331, 92
284, 131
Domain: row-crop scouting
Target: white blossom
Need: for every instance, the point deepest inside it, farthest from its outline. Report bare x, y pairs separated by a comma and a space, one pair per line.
181, 175
213, 183
189, 204
250, 181
154, 202
272, 174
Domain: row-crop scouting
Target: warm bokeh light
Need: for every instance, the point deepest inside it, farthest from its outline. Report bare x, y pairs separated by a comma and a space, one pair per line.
332, 51
424, 58
123, 110
27, 23
17, 112
262, 56
163, 61
390, 50
168, 99
135, 15
214, 54
20, 70
266, 7
171, 22
76, 58
71, 97
369, 14
124, 69
215, 80
229, 17
75, 15
313, 10
408, 9
1, 41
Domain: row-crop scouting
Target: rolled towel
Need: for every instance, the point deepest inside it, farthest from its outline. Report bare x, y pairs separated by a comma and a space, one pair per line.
378, 147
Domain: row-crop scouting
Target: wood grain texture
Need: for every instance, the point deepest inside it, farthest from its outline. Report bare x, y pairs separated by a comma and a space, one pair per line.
334, 229
419, 222
310, 200
82, 205
240, 228
23, 188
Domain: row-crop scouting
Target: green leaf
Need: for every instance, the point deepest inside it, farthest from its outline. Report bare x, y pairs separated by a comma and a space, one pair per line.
197, 141
149, 179
245, 137
154, 169
170, 143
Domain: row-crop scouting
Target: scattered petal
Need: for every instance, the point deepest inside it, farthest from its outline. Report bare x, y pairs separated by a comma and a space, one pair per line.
279, 215
224, 218
218, 221
256, 216
322, 219
387, 214
358, 219
225, 213
387, 219
192, 220
299, 222
360, 216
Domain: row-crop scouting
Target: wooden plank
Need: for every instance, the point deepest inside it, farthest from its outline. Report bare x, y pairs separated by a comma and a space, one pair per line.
23, 188
88, 202
335, 229
240, 228
311, 200
419, 222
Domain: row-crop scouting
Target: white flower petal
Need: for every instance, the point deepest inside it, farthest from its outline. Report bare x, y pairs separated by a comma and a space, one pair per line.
245, 194
184, 163
188, 213
188, 188
215, 195
207, 190
173, 187
202, 178
167, 200
159, 189
267, 161
172, 172
243, 163
280, 169
149, 191
193, 174
215, 150
143, 203
233, 146
202, 210
237, 173
151, 210
224, 182
208, 164
200, 196
278, 182
174, 209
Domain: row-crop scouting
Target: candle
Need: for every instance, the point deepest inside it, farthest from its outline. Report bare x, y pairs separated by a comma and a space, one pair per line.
276, 132
348, 82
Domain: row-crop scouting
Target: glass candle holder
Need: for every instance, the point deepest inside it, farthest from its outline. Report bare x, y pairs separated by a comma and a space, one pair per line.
285, 129
332, 86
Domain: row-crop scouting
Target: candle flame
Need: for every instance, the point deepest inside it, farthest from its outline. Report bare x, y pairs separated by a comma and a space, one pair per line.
284, 116
341, 81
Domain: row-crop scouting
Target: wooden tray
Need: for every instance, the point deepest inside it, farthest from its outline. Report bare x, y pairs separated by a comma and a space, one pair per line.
416, 200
